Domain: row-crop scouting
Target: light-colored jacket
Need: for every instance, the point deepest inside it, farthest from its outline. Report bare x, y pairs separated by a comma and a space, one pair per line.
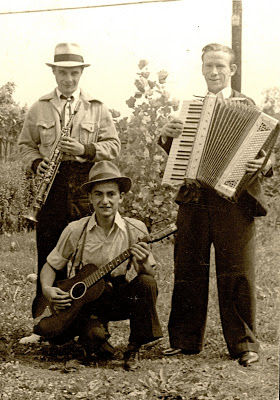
92, 124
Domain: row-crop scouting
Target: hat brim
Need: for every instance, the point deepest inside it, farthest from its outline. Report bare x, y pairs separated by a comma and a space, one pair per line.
124, 182
67, 64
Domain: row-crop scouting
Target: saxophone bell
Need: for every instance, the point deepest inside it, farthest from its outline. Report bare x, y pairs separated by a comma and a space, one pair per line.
31, 217
34, 210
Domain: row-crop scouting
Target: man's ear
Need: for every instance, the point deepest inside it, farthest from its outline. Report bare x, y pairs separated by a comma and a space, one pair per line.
121, 197
233, 68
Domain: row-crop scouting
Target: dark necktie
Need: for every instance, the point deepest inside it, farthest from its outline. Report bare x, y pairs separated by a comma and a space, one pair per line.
66, 111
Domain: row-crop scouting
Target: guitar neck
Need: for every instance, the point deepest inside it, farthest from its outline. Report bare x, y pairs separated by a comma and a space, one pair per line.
106, 269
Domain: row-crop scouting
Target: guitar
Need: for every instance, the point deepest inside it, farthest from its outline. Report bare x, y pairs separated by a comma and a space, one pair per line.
85, 287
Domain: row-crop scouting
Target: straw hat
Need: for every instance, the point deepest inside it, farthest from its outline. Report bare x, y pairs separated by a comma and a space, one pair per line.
68, 55
104, 171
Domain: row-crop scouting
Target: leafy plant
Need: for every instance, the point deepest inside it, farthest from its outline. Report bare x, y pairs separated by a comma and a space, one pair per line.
15, 189
141, 158
163, 385
11, 121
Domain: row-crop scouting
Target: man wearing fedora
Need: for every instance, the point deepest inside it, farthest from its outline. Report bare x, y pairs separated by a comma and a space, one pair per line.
131, 289
93, 138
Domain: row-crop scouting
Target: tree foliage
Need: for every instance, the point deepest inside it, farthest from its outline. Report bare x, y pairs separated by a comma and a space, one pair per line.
271, 106
271, 102
141, 158
11, 120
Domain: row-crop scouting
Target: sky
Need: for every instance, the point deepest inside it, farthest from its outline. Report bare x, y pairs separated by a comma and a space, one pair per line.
169, 35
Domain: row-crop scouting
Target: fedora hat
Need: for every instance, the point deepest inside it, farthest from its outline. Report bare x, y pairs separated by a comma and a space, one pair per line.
104, 171
68, 55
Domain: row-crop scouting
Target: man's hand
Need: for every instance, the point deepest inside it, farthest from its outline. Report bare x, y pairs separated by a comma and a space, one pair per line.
141, 252
173, 128
58, 297
43, 166
254, 165
71, 146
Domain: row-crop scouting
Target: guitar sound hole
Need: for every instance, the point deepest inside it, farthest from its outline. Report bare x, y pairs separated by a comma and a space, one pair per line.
78, 290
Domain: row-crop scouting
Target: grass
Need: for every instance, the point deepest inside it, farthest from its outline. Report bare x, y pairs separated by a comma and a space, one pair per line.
48, 372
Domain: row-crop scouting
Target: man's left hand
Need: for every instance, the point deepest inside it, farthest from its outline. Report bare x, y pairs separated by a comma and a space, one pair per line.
254, 165
140, 251
71, 146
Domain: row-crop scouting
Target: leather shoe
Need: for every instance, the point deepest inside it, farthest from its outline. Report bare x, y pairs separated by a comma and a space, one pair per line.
131, 358
247, 358
173, 351
104, 352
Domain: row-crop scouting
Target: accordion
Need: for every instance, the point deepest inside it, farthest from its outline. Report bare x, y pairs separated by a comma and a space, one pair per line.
219, 136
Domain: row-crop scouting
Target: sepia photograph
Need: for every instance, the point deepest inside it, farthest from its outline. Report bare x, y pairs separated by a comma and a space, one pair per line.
139, 200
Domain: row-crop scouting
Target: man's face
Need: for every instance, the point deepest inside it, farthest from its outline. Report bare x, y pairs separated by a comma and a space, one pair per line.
217, 70
67, 78
105, 198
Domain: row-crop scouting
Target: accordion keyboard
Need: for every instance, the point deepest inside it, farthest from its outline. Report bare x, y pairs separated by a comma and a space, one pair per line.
182, 146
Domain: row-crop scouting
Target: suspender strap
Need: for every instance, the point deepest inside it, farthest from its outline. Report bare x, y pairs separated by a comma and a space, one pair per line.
130, 240
83, 234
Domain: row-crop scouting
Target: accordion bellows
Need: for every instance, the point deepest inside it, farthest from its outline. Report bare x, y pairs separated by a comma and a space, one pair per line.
219, 137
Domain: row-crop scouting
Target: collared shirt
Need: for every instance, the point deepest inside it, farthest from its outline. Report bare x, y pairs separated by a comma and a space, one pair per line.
99, 249
226, 92
75, 95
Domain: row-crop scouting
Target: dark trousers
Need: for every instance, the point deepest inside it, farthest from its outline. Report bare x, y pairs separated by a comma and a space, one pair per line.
135, 301
65, 203
232, 233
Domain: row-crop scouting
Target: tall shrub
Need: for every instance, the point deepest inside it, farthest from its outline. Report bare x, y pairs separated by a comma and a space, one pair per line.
15, 188
141, 158
11, 120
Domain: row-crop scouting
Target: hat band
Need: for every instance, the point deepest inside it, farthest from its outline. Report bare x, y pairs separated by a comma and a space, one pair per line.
68, 57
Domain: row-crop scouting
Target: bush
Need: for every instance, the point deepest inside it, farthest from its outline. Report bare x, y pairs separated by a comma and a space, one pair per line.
141, 157
15, 188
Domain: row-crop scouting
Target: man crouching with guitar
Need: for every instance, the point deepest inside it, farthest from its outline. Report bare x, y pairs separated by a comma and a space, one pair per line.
93, 247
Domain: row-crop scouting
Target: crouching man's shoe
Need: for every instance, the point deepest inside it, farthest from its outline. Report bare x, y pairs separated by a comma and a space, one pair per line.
131, 358
171, 351
247, 358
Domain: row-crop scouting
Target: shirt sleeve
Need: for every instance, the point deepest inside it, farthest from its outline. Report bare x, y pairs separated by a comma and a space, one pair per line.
29, 140
108, 143
139, 231
64, 249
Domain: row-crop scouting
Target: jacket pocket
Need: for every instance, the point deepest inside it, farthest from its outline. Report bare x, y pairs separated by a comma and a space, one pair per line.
47, 132
89, 132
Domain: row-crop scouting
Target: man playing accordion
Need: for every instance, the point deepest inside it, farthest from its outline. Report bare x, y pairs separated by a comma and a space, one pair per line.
205, 218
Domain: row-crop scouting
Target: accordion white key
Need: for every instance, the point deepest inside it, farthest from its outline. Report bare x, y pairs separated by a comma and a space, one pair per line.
219, 137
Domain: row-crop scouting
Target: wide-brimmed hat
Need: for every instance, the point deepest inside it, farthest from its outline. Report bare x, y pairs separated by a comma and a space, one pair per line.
68, 55
104, 171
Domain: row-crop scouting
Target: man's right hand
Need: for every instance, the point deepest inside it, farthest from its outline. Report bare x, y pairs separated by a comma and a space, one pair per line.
43, 166
58, 297
173, 128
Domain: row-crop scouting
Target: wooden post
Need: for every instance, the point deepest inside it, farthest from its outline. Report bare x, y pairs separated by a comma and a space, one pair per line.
236, 38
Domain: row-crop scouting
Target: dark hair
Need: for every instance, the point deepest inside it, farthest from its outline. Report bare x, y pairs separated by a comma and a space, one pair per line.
219, 47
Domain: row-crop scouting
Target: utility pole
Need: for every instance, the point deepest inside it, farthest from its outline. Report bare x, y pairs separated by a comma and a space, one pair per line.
236, 40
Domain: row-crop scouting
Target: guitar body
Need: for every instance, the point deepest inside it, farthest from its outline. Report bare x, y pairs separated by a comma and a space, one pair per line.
56, 323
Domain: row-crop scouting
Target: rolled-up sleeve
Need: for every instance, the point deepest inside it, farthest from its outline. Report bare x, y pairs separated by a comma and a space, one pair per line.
63, 251
142, 228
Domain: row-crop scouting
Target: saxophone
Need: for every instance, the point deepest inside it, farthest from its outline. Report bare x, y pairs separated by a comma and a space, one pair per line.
46, 181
